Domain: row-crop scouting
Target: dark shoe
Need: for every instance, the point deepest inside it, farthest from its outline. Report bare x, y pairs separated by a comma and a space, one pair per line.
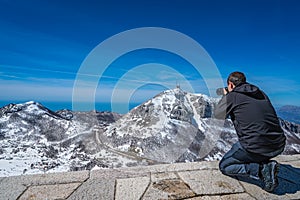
269, 176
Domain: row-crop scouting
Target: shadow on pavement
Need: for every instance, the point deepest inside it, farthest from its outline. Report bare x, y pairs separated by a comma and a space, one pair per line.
288, 179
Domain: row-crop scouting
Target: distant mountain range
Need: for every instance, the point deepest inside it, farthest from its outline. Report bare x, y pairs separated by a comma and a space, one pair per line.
174, 126
289, 113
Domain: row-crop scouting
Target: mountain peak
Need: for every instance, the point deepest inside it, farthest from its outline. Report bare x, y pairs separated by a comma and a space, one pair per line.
176, 126
169, 127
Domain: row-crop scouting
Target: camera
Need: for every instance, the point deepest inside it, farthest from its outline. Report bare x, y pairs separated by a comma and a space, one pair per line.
220, 91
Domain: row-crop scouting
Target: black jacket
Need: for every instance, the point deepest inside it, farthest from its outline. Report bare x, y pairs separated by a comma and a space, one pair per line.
254, 119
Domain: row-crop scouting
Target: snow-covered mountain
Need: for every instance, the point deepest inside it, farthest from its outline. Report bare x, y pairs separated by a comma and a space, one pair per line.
35, 139
174, 126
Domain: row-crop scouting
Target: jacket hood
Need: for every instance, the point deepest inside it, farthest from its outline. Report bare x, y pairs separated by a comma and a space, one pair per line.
250, 90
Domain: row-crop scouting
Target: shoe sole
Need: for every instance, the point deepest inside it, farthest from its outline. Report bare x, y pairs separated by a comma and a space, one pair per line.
276, 168
274, 172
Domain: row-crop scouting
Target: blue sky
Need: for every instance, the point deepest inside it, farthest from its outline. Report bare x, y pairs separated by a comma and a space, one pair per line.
44, 43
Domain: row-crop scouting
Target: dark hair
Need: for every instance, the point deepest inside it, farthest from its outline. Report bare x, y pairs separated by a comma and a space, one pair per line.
236, 78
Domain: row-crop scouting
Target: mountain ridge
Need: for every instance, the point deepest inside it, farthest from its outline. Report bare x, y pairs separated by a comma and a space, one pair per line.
290, 113
173, 126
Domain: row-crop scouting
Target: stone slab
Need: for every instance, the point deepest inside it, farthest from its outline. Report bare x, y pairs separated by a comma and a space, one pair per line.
131, 188
174, 167
49, 192
117, 173
191, 166
294, 196
153, 193
163, 176
260, 194
168, 189
11, 189
210, 182
240, 196
287, 158
294, 163
51, 179
98, 189
167, 186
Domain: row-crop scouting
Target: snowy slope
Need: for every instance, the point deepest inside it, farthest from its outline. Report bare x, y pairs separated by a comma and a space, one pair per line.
35, 139
173, 126
176, 126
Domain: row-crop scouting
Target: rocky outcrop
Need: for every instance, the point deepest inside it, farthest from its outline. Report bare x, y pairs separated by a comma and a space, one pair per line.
292, 131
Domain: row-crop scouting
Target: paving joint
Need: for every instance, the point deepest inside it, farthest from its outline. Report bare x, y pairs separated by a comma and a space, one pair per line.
188, 186
115, 188
247, 191
148, 186
89, 175
27, 187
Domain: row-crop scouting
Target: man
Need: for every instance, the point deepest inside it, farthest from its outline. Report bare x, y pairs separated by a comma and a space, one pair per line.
259, 132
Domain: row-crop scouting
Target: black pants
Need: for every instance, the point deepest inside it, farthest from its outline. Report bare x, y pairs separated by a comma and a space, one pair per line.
239, 162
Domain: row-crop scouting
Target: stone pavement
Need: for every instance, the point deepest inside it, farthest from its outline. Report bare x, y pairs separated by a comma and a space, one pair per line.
195, 181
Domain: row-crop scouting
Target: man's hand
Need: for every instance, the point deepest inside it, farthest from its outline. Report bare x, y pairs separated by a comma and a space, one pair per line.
225, 90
